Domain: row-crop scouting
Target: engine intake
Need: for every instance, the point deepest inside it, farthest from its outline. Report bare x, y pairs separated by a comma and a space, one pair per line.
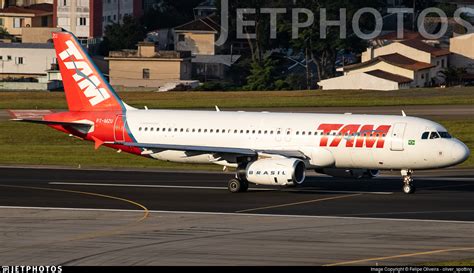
279, 172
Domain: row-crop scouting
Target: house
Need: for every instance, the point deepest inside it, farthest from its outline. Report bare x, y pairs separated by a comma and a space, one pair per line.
462, 49
392, 67
38, 34
197, 36
392, 36
87, 19
28, 66
212, 67
23, 3
14, 18
416, 50
369, 80
147, 67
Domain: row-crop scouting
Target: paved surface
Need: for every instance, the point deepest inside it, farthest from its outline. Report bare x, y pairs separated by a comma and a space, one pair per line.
171, 218
425, 111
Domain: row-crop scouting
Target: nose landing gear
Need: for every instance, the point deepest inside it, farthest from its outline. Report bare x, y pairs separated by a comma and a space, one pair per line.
408, 185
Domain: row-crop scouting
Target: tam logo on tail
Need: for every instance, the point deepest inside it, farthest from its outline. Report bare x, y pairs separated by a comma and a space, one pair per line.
85, 87
84, 77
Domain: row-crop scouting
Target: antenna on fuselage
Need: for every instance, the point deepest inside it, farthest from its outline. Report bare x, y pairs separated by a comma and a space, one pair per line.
403, 113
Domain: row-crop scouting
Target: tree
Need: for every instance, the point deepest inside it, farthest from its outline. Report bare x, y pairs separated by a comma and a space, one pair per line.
169, 13
123, 36
262, 75
452, 75
323, 51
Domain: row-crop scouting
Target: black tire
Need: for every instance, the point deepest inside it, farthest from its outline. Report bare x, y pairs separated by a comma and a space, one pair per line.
409, 189
235, 186
244, 186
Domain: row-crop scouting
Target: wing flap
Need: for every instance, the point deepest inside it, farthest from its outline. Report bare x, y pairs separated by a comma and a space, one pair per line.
189, 148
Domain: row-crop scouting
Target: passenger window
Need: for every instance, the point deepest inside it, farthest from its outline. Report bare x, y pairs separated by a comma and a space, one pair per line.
139, 129
425, 135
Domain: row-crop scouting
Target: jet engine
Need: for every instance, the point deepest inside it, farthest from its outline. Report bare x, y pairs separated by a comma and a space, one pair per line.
351, 173
279, 172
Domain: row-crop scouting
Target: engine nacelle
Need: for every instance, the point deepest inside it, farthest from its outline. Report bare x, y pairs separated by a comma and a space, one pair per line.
279, 172
352, 173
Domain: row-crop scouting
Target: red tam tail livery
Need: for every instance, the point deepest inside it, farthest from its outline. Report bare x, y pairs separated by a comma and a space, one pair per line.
85, 87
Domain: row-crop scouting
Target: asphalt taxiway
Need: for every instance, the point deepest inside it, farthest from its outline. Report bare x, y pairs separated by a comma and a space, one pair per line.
95, 217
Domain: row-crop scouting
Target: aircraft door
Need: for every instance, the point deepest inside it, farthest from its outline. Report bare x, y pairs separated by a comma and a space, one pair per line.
397, 136
119, 128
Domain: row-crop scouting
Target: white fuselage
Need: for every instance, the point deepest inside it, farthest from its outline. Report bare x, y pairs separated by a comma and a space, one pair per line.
355, 141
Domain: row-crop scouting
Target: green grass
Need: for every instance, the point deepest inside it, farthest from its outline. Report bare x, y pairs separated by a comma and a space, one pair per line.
29, 144
180, 100
452, 263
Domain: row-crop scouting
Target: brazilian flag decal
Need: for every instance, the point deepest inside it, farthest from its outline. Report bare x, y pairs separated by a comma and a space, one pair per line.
412, 142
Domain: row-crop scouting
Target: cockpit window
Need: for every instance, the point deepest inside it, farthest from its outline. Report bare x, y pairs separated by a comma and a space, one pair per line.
434, 135
445, 135
425, 135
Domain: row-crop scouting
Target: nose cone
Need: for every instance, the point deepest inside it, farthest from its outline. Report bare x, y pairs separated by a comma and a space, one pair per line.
460, 152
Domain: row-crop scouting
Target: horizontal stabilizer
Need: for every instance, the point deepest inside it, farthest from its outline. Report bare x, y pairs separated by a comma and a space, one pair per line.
59, 123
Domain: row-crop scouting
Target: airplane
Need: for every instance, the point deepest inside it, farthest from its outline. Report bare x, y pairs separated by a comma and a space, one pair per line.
264, 148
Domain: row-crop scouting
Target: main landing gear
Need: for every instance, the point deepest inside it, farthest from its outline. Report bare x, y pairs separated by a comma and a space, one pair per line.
408, 186
238, 185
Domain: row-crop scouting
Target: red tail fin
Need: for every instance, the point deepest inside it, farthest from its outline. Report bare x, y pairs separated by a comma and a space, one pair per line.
85, 87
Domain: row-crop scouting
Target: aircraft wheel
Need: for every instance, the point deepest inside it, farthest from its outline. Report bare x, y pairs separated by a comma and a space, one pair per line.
236, 186
409, 189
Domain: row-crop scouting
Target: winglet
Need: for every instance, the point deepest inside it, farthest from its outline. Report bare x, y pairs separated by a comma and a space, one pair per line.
98, 143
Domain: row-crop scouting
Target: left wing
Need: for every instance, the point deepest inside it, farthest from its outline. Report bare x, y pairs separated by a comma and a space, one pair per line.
210, 149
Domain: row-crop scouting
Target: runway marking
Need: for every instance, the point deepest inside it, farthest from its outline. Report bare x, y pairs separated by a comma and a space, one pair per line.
299, 203
150, 186
402, 256
409, 212
91, 235
146, 211
208, 188
246, 214
445, 187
